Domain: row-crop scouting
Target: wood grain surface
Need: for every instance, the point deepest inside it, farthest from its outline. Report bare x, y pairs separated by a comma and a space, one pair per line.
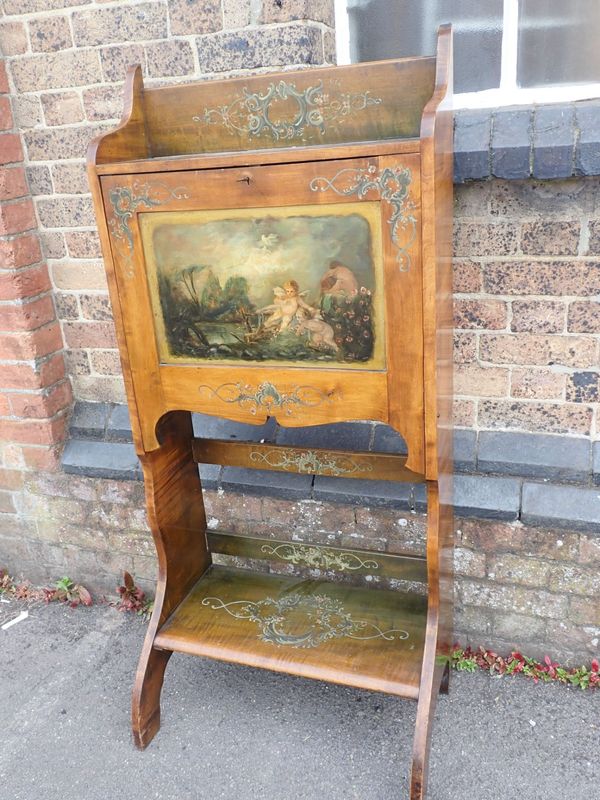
203, 625
323, 557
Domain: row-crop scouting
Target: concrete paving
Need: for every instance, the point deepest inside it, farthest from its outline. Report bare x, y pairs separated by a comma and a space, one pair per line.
234, 733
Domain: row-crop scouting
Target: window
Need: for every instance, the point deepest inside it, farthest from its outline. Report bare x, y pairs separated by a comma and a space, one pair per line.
506, 52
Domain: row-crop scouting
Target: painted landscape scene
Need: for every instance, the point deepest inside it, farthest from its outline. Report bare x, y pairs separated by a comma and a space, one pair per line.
279, 288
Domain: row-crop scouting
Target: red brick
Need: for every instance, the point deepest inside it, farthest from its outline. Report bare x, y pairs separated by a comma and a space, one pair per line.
538, 316
46, 432
25, 376
467, 276
20, 376
4, 406
578, 278
567, 418
28, 345
20, 251
537, 384
52, 370
43, 405
17, 217
90, 334
27, 316
11, 479
490, 314
584, 317
13, 183
6, 117
11, 151
542, 350
4, 89
45, 459
24, 283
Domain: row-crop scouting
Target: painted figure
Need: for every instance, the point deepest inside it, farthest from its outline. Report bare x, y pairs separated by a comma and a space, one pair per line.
320, 333
288, 301
339, 280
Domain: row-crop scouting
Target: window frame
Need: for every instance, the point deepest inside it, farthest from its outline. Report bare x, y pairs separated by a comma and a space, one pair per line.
509, 93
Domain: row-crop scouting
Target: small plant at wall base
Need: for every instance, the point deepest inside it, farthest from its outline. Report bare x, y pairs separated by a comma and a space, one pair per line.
73, 594
132, 598
63, 591
468, 660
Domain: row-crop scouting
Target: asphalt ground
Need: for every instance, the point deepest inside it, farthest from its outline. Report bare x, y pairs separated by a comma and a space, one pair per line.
236, 733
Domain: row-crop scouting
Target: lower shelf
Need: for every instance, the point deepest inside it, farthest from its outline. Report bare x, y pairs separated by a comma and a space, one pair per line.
368, 638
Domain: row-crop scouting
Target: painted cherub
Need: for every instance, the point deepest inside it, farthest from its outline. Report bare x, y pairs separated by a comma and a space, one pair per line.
287, 302
320, 333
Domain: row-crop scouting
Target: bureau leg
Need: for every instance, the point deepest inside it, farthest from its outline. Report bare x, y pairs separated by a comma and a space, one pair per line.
145, 708
438, 636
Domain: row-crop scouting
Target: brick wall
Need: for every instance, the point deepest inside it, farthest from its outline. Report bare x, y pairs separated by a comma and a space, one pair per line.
66, 63
527, 280
34, 392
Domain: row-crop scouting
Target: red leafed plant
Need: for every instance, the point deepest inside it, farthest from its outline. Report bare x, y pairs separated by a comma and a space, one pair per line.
132, 598
469, 660
63, 591
72, 594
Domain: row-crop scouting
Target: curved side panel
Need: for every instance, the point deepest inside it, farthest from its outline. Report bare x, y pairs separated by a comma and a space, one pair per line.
178, 523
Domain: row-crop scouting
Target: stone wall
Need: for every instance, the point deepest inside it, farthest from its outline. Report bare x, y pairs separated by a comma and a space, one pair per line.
534, 589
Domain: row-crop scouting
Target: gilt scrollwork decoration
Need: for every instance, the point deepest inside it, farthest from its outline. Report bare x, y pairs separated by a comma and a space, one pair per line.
391, 184
255, 113
303, 555
310, 462
266, 397
125, 201
302, 621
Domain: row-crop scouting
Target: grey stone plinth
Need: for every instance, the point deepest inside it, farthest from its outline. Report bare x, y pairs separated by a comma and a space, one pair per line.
360, 492
118, 427
101, 460
486, 497
511, 143
472, 131
587, 151
561, 506
553, 141
265, 482
596, 463
337, 436
388, 440
534, 455
465, 450
208, 427
89, 420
